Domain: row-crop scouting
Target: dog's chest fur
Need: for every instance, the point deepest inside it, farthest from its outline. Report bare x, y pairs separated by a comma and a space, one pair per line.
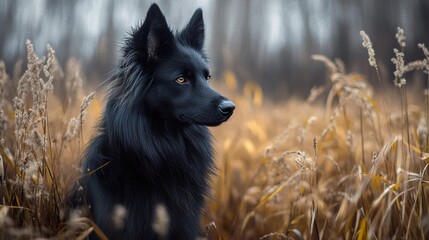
177, 180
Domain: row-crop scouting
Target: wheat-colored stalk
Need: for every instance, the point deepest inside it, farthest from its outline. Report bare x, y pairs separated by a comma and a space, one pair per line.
74, 127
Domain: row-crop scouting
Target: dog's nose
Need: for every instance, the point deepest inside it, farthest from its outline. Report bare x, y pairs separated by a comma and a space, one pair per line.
226, 107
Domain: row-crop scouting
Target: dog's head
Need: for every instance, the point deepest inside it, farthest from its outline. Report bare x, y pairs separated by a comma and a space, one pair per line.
175, 70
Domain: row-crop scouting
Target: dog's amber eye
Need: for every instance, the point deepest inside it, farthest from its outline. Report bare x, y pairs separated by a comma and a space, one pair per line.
181, 80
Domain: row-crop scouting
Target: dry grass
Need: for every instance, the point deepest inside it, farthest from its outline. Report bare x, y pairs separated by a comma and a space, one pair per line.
350, 162
39, 149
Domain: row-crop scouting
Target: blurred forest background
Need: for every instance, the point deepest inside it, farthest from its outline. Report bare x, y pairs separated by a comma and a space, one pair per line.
268, 42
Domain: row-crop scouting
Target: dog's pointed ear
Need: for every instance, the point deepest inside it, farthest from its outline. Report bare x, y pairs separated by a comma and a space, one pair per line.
154, 38
193, 33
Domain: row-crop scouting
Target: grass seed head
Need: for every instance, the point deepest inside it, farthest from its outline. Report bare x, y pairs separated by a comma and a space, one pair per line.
161, 221
398, 60
366, 43
400, 36
119, 216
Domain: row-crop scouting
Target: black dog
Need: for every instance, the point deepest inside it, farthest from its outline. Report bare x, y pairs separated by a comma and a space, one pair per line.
153, 147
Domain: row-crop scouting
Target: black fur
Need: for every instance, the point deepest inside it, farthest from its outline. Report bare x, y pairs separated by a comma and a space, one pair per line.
152, 146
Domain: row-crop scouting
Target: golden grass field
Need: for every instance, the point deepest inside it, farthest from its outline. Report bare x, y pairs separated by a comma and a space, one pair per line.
348, 162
